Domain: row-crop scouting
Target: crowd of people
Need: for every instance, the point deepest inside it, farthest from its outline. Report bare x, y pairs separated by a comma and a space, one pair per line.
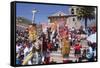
32, 48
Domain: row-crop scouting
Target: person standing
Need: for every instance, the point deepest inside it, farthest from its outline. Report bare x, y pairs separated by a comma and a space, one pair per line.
90, 54
77, 48
65, 47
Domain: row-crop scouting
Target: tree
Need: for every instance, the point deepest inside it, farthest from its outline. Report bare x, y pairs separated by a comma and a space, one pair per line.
86, 13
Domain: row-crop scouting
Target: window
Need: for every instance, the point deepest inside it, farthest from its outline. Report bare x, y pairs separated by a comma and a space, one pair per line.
73, 19
72, 11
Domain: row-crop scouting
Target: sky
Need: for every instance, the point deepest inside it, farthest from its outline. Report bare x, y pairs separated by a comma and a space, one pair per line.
44, 10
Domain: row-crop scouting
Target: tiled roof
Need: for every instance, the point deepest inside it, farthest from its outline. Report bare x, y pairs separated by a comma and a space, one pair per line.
59, 14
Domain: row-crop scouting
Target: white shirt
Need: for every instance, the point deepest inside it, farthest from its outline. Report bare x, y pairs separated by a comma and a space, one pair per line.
18, 48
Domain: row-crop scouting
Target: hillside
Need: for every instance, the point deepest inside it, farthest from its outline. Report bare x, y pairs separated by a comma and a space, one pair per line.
23, 20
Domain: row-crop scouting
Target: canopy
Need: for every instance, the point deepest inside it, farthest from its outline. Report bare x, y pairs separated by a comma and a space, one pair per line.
92, 38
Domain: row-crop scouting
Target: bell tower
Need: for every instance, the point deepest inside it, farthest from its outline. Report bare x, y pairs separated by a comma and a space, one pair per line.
73, 10
73, 21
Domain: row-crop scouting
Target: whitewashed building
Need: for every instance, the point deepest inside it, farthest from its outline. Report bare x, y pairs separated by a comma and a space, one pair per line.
69, 19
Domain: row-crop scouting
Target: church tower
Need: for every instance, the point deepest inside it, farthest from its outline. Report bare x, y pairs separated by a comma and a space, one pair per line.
72, 20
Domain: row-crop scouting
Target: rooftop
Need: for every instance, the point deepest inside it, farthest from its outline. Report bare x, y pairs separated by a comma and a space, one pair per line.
60, 14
